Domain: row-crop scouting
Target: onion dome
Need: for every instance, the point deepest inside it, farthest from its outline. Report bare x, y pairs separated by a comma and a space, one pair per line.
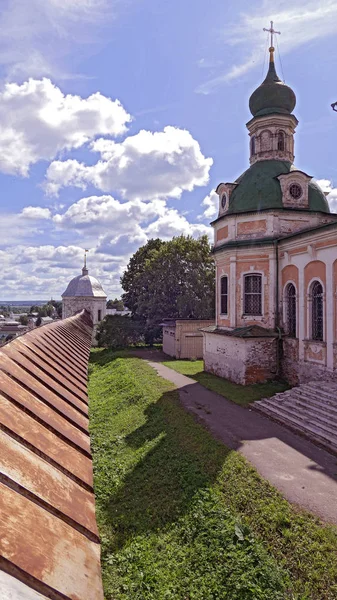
84, 285
272, 96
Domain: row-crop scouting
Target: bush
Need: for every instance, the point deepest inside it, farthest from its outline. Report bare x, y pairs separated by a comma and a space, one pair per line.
119, 332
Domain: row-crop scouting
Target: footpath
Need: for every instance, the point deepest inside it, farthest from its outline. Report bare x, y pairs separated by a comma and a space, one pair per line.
305, 474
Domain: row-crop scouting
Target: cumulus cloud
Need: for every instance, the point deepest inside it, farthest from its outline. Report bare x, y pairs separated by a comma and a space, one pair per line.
172, 224
35, 213
211, 202
37, 121
101, 213
330, 191
145, 166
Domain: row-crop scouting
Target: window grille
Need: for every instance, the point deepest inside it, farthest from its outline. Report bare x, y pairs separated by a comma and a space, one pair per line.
224, 295
280, 141
317, 324
291, 310
253, 295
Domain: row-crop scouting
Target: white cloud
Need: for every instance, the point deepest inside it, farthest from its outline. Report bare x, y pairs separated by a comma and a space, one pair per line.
35, 213
36, 35
105, 213
172, 224
37, 121
327, 187
299, 23
144, 166
212, 206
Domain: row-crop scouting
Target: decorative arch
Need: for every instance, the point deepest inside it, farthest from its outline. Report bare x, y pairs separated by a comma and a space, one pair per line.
315, 271
265, 141
281, 141
290, 306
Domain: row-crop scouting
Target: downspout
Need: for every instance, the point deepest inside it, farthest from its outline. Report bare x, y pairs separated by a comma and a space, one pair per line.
279, 347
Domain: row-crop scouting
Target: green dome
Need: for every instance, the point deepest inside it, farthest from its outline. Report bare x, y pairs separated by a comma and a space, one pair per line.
259, 189
272, 96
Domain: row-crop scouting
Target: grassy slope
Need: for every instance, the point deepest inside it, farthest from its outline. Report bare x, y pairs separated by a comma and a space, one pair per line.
239, 394
183, 518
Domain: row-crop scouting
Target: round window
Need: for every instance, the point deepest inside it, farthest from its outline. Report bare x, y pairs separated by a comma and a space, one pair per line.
224, 200
295, 191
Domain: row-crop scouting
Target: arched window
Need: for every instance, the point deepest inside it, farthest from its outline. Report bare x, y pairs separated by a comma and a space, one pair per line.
224, 295
252, 304
291, 310
252, 145
280, 141
317, 317
265, 141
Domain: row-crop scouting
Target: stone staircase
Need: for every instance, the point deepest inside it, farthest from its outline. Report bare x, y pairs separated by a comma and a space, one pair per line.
310, 409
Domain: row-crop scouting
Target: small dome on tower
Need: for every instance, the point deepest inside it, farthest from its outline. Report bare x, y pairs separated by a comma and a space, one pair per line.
84, 285
272, 96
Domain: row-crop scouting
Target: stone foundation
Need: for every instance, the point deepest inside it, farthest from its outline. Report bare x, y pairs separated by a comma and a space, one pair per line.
241, 360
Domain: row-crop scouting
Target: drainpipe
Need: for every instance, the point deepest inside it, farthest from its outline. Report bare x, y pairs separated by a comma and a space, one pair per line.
279, 348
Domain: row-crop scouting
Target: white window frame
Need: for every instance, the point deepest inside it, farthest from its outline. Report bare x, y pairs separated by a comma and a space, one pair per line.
221, 314
244, 315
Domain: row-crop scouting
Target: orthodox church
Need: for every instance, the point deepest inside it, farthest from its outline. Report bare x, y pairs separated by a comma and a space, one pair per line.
84, 291
275, 250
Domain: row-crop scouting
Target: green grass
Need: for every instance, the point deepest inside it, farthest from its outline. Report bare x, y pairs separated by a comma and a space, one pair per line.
180, 516
240, 394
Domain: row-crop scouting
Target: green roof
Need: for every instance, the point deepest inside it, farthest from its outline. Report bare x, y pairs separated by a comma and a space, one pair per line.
259, 189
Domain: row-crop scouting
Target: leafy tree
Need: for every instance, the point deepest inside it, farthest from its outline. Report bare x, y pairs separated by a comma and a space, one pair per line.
38, 321
34, 309
133, 280
5, 310
23, 320
116, 331
173, 279
57, 304
117, 304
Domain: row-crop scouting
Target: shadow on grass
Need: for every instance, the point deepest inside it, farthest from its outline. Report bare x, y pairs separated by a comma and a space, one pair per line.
182, 459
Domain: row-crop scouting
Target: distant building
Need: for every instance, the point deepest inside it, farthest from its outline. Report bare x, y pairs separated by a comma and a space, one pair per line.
121, 313
182, 338
10, 329
84, 291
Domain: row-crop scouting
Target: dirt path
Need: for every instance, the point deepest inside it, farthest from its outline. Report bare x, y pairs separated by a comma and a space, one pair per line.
304, 473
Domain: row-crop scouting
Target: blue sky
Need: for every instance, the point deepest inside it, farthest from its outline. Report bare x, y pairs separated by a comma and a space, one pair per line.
118, 120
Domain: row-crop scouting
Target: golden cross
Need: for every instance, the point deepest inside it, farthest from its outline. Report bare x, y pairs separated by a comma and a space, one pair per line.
272, 31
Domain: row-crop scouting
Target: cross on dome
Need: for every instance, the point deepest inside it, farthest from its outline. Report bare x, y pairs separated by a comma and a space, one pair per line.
271, 31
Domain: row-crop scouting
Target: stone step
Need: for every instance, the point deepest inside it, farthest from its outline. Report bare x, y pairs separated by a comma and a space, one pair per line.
314, 434
324, 391
312, 394
304, 409
307, 419
322, 407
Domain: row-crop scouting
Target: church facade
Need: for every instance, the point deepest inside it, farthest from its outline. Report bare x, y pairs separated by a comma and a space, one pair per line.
275, 250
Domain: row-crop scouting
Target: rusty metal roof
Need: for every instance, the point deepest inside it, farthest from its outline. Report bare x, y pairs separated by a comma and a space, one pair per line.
49, 544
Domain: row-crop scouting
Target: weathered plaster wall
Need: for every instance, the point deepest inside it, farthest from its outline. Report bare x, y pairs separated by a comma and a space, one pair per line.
241, 360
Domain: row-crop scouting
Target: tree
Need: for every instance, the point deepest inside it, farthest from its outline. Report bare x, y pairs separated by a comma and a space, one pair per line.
116, 304
23, 320
133, 282
174, 279
38, 321
116, 331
